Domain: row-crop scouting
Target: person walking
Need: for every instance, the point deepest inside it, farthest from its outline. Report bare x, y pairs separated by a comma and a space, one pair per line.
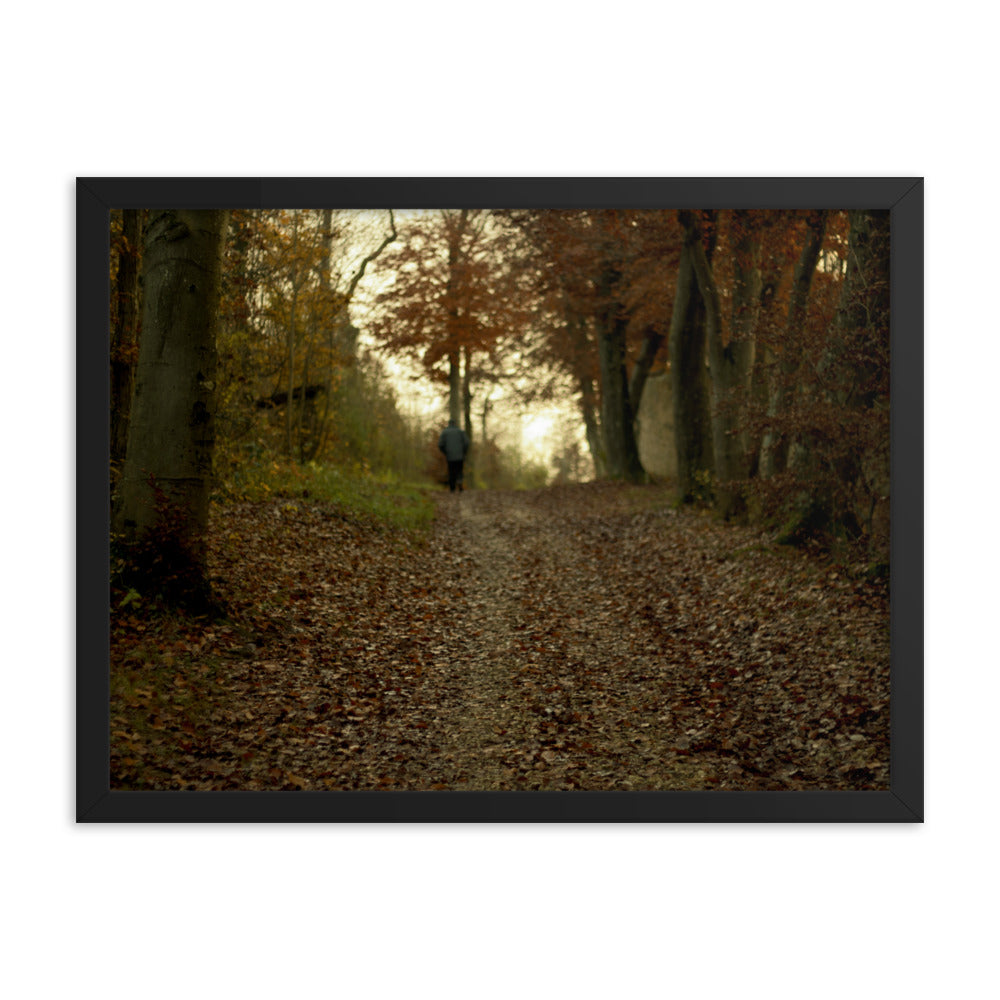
454, 445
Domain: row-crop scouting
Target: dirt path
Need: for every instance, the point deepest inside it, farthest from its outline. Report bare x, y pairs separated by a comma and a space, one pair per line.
591, 643
530, 662
585, 637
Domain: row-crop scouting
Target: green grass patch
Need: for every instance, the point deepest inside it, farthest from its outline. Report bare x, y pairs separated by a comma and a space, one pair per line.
356, 494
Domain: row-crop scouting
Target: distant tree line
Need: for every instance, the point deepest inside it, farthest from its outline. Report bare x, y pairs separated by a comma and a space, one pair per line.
772, 325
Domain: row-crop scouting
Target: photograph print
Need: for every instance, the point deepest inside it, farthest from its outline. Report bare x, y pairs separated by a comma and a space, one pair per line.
553, 510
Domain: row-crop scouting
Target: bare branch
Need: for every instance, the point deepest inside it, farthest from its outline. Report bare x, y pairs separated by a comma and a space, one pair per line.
361, 269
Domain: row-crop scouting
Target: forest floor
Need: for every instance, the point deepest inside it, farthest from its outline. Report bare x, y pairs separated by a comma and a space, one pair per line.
578, 637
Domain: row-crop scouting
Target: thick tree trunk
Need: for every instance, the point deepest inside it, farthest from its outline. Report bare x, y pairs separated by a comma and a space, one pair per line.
739, 355
125, 333
168, 467
689, 384
857, 355
617, 424
853, 376
763, 363
730, 365
861, 326
774, 451
640, 372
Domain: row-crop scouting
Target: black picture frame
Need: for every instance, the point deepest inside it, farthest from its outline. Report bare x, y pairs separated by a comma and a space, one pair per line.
903, 802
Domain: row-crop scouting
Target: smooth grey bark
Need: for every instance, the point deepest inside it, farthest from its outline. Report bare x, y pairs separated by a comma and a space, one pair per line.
168, 467
651, 342
689, 383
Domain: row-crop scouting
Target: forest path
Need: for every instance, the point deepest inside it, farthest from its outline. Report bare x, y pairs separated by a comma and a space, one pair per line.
530, 591
574, 637
596, 638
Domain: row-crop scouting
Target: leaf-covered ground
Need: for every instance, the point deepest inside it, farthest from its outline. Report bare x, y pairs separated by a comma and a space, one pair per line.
582, 637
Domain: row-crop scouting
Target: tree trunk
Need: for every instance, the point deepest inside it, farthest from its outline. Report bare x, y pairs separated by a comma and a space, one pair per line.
303, 429
168, 466
342, 342
453, 333
763, 362
588, 404
454, 386
290, 336
774, 451
730, 365
581, 355
689, 384
860, 328
855, 365
329, 318
640, 372
740, 353
467, 407
620, 448
125, 333
290, 381
482, 419
853, 376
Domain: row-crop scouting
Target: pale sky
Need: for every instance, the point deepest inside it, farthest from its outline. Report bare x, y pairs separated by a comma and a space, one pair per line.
535, 429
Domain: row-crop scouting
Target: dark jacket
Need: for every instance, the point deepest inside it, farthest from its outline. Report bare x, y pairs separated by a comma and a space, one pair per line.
454, 442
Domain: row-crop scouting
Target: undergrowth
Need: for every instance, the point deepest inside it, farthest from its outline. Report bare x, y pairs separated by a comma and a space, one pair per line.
356, 494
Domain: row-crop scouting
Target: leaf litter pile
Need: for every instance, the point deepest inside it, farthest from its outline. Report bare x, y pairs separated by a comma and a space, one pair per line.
583, 637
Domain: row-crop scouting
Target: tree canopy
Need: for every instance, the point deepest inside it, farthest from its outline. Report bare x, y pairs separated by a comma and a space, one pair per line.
772, 326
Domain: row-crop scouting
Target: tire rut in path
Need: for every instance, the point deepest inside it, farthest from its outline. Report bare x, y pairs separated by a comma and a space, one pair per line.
485, 720
528, 699
580, 637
